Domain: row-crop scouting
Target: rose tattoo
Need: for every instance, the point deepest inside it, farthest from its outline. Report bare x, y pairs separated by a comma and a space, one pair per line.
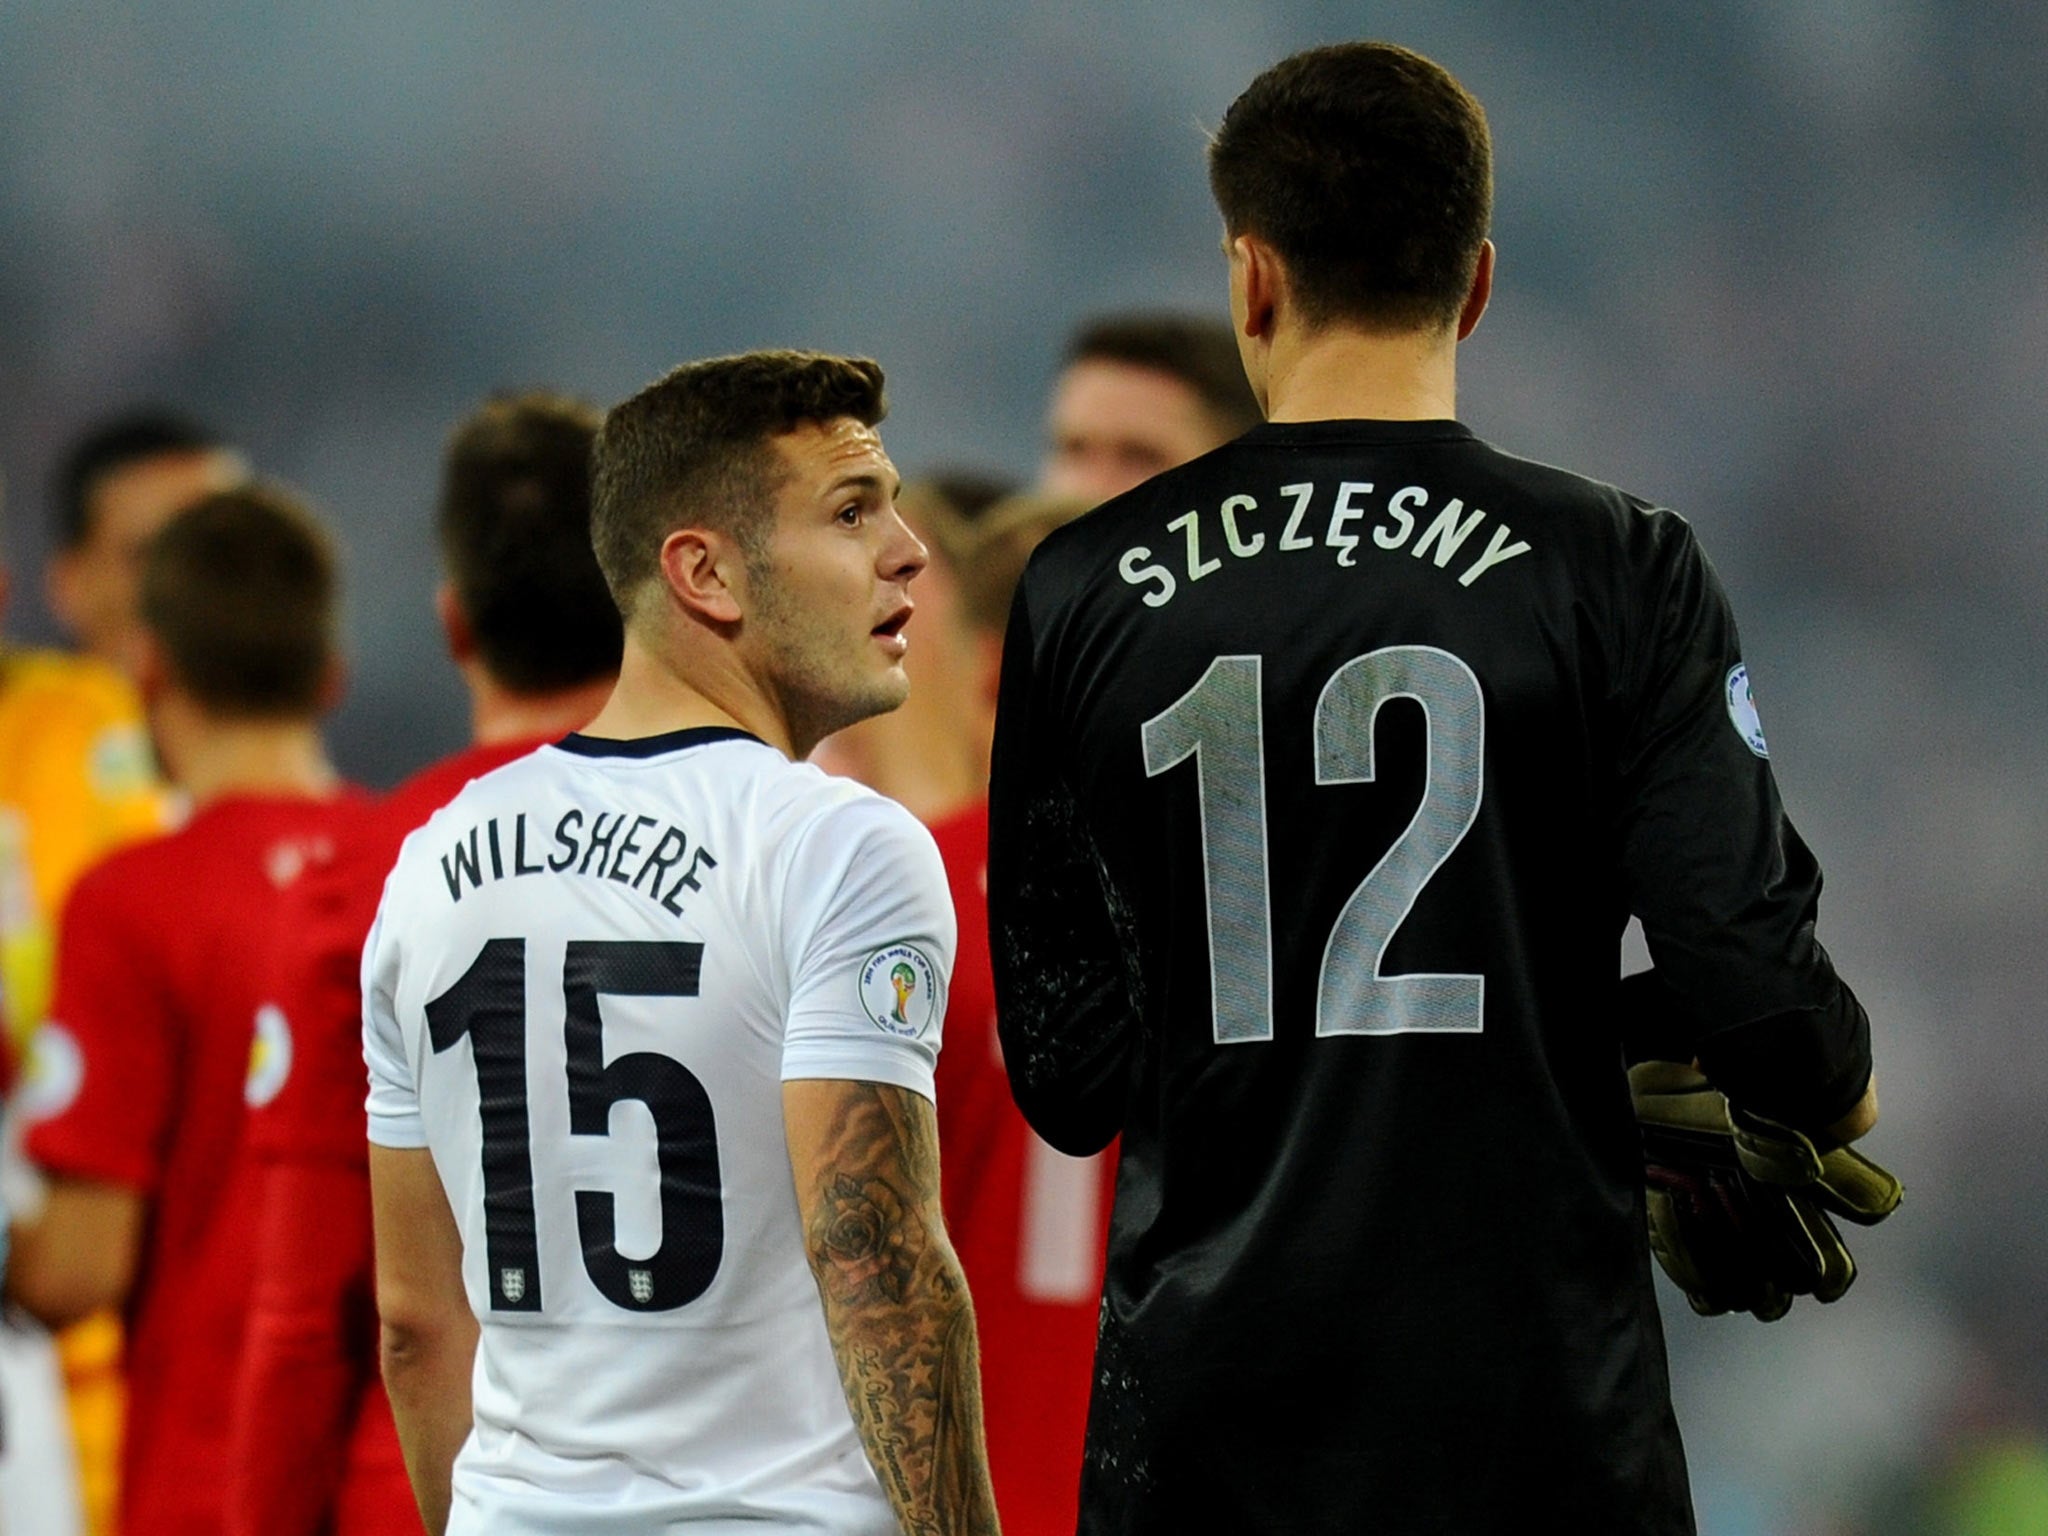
868, 1235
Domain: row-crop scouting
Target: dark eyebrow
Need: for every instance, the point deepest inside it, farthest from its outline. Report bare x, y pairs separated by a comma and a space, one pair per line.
866, 482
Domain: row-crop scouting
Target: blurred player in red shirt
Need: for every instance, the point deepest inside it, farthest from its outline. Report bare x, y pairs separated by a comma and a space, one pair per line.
148, 1207
531, 625
1029, 1223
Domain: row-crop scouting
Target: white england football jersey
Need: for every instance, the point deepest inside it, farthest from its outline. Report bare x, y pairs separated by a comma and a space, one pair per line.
590, 976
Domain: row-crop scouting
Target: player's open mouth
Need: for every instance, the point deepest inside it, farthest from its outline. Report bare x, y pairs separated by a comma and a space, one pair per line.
890, 631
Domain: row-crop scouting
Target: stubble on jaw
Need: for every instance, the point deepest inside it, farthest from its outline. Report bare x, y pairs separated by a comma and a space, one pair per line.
816, 676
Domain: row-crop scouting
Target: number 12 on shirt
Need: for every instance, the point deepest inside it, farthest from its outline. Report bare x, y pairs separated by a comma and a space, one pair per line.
1220, 723
488, 1004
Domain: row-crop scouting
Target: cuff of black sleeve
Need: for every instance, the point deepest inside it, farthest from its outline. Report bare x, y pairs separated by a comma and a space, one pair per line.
1806, 1068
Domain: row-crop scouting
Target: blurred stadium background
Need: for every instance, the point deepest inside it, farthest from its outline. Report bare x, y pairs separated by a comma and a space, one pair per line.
1779, 263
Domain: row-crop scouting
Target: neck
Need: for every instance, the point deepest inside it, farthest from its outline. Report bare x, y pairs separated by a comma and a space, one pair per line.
652, 698
930, 755
210, 757
499, 715
1338, 374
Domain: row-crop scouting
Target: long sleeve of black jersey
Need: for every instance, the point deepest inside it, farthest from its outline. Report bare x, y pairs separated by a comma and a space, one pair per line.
1727, 891
1067, 1003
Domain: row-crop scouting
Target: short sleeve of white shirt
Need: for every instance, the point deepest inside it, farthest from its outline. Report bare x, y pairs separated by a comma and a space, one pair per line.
869, 921
394, 1105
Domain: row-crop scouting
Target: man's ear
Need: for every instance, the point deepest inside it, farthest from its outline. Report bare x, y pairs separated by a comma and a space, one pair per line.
1262, 284
454, 624
705, 572
1255, 285
1266, 287
1482, 290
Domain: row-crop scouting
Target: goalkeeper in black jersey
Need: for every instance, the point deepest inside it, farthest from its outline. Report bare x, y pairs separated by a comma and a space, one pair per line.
1329, 768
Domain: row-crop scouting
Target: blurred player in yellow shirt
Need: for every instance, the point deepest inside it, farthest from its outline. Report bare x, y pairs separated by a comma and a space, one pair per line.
77, 780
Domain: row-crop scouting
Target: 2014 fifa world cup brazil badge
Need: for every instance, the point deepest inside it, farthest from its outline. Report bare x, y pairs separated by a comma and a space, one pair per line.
899, 990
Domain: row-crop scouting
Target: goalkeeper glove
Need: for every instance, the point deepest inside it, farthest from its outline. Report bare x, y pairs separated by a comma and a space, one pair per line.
1739, 1206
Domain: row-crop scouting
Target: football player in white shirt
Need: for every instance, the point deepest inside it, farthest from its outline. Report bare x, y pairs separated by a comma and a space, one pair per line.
651, 1016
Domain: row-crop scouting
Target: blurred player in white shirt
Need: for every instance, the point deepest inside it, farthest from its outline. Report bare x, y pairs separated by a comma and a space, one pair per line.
651, 1017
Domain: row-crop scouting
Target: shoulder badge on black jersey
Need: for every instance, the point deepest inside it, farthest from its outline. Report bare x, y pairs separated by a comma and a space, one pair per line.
1742, 710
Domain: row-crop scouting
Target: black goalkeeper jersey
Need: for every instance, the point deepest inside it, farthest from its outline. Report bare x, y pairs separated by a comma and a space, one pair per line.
1328, 770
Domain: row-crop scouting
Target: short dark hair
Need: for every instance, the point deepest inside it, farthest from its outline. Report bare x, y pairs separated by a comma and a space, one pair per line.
111, 445
514, 525
1369, 169
692, 449
1200, 352
240, 590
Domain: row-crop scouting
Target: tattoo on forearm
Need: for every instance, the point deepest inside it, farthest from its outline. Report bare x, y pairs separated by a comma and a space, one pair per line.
901, 1324
868, 1238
